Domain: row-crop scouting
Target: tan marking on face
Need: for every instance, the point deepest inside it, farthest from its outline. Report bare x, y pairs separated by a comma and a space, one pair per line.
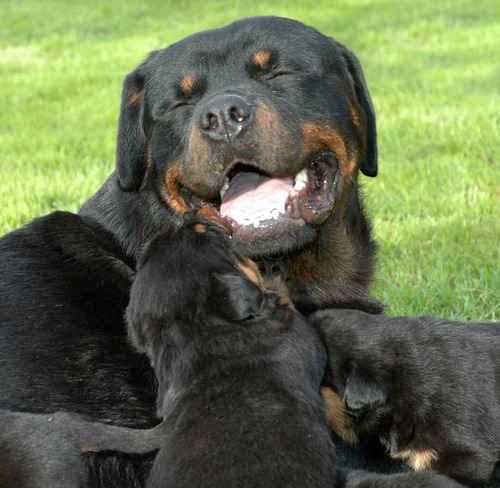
318, 137
418, 459
171, 192
198, 169
135, 98
261, 59
340, 421
188, 83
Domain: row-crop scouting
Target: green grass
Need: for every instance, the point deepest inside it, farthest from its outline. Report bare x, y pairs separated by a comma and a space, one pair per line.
433, 71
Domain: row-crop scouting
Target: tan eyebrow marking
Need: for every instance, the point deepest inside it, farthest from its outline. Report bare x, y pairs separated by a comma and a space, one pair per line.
261, 58
188, 83
135, 98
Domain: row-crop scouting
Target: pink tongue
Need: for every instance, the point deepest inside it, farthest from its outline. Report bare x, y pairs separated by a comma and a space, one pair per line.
252, 197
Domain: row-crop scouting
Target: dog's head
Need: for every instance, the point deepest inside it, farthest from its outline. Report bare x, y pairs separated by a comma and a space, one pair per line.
266, 120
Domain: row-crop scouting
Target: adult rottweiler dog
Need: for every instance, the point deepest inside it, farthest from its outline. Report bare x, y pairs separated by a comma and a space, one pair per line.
239, 371
43, 450
267, 121
427, 387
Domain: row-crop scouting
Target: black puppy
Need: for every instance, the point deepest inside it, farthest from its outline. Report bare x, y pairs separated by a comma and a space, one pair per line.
238, 369
43, 451
427, 387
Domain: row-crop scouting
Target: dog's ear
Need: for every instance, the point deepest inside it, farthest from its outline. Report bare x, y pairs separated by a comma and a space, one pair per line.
369, 167
131, 149
237, 298
363, 392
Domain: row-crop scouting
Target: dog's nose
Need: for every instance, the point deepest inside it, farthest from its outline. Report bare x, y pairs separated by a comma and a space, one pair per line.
224, 117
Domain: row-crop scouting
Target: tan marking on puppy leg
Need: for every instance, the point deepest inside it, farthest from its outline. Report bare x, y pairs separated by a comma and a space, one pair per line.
419, 460
340, 421
261, 59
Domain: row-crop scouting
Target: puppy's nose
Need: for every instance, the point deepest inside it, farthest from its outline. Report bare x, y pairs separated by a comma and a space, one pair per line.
224, 117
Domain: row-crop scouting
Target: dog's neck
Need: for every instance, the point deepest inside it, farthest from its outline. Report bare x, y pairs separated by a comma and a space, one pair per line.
132, 217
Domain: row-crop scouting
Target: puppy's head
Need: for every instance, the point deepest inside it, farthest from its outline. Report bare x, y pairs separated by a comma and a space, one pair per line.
360, 367
190, 280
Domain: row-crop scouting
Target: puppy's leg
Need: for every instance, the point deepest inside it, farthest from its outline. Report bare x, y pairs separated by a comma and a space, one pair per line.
93, 436
340, 421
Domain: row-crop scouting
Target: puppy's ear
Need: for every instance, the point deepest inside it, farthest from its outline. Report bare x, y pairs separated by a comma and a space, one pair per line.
237, 297
363, 391
369, 167
131, 150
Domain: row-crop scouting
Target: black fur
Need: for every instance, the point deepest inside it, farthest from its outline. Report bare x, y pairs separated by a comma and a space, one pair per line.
420, 384
44, 451
361, 479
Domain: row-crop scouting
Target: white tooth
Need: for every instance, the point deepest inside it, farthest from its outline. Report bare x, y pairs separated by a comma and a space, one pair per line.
299, 185
302, 176
224, 188
275, 214
300, 180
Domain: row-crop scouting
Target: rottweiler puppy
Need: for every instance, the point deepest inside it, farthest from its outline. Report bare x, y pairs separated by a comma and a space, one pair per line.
238, 368
428, 388
44, 451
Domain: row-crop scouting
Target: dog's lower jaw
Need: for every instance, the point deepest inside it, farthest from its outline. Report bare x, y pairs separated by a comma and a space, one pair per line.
293, 238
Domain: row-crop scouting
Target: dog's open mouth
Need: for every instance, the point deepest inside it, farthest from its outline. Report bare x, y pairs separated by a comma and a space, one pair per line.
256, 205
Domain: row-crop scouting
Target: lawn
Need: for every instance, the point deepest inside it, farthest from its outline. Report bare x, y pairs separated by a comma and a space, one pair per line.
433, 71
